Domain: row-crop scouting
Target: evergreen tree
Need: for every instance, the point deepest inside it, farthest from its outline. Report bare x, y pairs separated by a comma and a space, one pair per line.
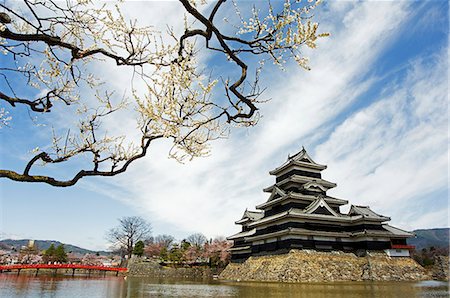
176, 254
60, 254
164, 254
49, 253
139, 248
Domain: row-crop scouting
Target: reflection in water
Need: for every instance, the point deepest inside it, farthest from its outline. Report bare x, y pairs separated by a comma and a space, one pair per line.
111, 286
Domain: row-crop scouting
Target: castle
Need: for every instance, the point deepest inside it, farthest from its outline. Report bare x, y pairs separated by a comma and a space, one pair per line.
300, 215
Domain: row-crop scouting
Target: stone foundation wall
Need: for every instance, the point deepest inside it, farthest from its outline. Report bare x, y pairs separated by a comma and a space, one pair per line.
441, 268
314, 266
153, 269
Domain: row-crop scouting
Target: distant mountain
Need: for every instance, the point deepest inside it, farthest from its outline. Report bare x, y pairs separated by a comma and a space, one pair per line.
430, 237
45, 244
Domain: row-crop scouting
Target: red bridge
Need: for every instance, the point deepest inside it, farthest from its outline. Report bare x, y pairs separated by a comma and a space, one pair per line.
89, 268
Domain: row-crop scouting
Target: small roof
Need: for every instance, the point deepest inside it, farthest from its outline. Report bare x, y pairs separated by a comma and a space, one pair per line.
320, 202
366, 212
301, 198
302, 155
387, 231
242, 234
239, 248
397, 231
276, 191
250, 216
302, 159
302, 180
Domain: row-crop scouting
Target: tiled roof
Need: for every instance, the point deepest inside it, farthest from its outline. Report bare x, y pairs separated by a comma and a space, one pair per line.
242, 234
366, 212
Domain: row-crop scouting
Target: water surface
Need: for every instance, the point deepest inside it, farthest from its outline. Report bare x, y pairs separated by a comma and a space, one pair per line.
12, 285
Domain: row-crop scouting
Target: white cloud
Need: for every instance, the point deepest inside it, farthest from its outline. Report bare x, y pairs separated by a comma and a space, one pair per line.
394, 152
208, 195
305, 101
390, 154
12, 236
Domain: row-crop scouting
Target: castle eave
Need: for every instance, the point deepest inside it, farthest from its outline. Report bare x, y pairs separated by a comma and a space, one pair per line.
301, 179
299, 164
398, 232
240, 249
242, 234
300, 232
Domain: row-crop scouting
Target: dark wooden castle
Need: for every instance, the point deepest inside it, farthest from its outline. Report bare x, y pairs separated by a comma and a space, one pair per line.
300, 215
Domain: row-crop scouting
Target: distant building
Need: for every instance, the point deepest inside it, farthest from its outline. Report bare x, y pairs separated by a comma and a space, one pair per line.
300, 215
29, 254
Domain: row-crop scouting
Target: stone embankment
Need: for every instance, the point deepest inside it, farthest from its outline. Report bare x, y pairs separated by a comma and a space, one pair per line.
153, 269
441, 268
314, 266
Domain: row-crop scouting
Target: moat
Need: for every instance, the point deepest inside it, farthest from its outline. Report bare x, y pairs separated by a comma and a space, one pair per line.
111, 286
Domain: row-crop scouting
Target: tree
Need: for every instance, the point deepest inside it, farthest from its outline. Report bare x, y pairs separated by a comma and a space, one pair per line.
159, 246
197, 240
91, 259
192, 254
57, 254
176, 254
60, 254
129, 231
164, 254
56, 49
49, 254
153, 250
139, 248
165, 240
218, 252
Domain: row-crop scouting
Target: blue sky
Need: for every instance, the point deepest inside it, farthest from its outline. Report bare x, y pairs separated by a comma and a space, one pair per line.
374, 108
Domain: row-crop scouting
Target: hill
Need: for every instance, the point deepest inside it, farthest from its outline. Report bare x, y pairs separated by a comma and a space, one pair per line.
426, 238
45, 244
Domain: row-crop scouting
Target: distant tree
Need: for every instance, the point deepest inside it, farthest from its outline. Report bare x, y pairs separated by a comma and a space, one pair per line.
184, 244
60, 254
192, 254
164, 254
90, 259
197, 239
165, 240
426, 256
153, 249
139, 248
160, 247
176, 254
218, 252
49, 254
129, 231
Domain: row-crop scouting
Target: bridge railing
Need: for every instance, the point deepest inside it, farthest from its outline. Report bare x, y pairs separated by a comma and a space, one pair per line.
60, 266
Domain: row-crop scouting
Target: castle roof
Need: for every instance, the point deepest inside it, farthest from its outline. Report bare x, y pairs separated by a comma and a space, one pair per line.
366, 212
242, 234
250, 216
299, 198
397, 231
308, 181
322, 204
301, 159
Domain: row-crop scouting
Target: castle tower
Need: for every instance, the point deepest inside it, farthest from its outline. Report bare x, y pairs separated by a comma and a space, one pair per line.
300, 215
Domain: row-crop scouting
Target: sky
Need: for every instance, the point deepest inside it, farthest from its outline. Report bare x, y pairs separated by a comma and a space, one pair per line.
373, 108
